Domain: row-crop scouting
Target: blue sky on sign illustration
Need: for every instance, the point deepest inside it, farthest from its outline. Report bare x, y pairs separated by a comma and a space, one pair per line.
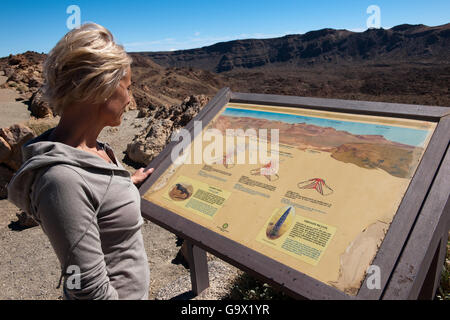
409, 136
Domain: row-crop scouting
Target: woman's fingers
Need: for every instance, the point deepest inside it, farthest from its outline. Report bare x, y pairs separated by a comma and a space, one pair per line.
141, 174
148, 171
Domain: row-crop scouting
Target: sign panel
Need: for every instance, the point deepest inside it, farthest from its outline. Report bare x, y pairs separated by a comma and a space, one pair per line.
314, 190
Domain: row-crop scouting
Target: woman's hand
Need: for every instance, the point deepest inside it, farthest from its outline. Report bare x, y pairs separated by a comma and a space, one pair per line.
140, 175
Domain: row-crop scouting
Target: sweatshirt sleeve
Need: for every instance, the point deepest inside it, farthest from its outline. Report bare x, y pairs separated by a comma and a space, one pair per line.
64, 206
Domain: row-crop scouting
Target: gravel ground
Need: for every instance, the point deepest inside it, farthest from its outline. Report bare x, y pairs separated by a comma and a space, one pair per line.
11, 110
3, 78
29, 269
220, 275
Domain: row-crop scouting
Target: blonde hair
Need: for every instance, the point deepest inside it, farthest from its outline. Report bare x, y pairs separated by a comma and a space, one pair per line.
86, 65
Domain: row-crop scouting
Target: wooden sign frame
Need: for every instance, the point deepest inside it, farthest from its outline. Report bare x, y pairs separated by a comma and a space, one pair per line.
411, 255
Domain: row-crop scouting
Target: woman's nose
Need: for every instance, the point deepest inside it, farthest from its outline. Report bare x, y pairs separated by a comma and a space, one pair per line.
128, 97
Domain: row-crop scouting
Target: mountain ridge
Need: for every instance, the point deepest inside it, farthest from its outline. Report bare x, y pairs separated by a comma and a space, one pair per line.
415, 79
336, 46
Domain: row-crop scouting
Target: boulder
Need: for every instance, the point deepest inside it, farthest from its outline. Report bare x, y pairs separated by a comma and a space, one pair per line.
188, 109
11, 141
8, 71
132, 105
24, 73
163, 121
15, 60
150, 142
16, 136
17, 77
146, 112
5, 150
39, 107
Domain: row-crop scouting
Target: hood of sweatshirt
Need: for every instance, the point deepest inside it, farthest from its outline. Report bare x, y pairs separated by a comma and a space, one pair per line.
40, 153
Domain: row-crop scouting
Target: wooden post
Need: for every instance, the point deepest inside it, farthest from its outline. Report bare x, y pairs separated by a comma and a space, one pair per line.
431, 283
198, 266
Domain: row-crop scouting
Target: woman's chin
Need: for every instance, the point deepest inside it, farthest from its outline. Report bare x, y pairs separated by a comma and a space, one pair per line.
116, 122
120, 118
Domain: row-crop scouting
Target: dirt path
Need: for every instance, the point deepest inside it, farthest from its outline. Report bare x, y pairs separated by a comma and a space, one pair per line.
29, 268
11, 110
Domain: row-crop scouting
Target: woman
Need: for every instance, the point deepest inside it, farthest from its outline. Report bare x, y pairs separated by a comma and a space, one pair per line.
73, 185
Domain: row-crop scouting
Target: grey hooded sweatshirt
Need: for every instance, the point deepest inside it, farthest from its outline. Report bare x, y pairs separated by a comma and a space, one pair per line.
90, 211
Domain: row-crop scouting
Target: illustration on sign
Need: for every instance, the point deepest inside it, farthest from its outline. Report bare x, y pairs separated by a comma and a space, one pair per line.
322, 206
280, 224
317, 184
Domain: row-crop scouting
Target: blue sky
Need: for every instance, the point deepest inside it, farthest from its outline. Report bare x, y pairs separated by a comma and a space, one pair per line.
171, 25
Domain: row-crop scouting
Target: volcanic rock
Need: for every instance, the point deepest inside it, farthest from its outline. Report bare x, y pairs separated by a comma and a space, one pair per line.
163, 121
5, 150
39, 107
15, 136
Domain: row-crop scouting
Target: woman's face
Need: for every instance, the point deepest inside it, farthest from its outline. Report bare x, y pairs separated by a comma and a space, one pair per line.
114, 107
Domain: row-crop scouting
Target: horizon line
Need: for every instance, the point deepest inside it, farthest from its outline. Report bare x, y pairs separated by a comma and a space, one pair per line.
236, 38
